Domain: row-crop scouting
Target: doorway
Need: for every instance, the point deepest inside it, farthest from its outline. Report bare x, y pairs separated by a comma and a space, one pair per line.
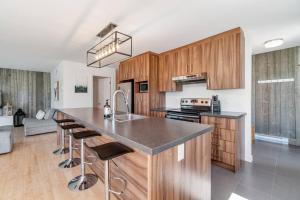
101, 91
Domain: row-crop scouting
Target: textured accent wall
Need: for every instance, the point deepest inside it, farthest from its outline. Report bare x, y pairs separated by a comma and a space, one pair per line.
27, 90
275, 103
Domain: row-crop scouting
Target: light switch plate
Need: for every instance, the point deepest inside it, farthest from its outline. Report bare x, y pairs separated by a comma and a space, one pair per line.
180, 152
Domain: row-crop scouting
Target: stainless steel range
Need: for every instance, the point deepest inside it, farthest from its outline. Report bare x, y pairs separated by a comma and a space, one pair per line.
190, 109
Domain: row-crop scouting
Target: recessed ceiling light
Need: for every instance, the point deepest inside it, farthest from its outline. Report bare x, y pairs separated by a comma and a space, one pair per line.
274, 43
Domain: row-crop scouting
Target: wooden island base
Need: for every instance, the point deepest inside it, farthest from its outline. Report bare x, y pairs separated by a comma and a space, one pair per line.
161, 176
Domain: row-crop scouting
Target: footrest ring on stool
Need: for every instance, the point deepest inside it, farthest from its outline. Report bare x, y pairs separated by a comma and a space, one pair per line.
124, 185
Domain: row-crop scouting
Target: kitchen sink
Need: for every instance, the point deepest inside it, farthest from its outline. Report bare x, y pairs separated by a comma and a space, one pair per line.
127, 117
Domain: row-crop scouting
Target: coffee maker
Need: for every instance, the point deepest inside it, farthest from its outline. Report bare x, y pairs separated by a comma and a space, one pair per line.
215, 104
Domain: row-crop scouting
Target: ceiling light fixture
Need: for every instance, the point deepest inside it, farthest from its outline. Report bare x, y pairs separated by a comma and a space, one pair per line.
112, 49
274, 43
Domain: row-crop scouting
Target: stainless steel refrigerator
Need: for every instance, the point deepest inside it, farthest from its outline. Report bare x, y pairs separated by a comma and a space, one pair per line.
128, 88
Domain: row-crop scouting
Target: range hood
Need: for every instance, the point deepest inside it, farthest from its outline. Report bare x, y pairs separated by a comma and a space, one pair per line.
189, 79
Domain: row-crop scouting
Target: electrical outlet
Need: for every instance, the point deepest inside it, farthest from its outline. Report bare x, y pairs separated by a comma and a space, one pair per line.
180, 152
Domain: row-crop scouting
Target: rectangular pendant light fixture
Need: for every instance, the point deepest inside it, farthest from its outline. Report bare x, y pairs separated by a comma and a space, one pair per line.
114, 48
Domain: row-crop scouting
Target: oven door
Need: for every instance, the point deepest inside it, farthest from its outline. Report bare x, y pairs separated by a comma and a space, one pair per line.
183, 117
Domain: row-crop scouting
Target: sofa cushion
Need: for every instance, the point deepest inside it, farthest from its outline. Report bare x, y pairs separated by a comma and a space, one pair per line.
49, 114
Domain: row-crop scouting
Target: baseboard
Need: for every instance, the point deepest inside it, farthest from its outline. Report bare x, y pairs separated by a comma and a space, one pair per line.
274, 139
248, 158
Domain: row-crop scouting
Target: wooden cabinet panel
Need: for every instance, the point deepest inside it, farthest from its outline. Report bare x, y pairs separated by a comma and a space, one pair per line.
227, 135
157, 114
181, 66
125, 71
225, 141
167, 62
199, 57
141, 104
226, 65
228, 158
142, 68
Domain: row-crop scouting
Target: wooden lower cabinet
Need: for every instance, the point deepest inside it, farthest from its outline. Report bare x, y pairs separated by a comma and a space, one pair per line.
157, 114
187, 179
226, 141
141, 104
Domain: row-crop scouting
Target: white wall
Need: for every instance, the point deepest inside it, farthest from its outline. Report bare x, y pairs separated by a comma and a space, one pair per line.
69, 73
57, 75
238, 100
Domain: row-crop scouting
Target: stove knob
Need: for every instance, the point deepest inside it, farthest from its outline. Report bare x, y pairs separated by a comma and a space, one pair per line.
201, 101
206, 101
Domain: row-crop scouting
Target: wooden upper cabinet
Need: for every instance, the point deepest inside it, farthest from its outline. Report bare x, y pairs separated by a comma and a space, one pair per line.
226, 66
167, 66
182, 62
126, 71
142, 68
136, 68
199, 57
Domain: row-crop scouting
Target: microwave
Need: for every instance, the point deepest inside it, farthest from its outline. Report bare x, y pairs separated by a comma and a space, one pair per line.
143, 86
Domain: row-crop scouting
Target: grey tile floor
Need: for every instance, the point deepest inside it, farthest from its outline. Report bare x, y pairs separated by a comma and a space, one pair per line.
273, 175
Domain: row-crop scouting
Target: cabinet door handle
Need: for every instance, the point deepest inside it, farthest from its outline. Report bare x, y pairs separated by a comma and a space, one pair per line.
208, 82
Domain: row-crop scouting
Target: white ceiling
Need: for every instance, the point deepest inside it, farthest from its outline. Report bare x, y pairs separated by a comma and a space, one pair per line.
38, 34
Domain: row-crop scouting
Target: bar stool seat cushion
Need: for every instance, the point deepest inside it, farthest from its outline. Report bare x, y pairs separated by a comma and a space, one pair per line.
59, 121
111, 150
85, 134
71, 126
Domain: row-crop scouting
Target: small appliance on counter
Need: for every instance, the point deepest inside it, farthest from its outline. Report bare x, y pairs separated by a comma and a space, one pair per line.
107, 110
215, 104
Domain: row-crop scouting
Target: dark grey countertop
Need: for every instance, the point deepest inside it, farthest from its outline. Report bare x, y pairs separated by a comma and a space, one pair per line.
150, 135
162, 109
225, 114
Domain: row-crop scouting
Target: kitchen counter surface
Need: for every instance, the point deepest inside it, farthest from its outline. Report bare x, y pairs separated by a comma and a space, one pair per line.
224, 114
150, 135
162, 109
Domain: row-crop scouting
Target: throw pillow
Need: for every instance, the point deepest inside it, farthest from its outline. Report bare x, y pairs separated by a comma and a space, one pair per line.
49, 114
40, 115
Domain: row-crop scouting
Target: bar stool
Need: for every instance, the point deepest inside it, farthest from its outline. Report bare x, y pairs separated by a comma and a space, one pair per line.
70, 162
83, 181
107, 152
62, 149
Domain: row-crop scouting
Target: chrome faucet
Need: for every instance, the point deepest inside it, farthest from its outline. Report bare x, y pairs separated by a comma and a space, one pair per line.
125, 96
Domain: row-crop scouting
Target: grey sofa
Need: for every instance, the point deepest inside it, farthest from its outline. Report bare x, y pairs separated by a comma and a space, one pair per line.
33, 126
6, 139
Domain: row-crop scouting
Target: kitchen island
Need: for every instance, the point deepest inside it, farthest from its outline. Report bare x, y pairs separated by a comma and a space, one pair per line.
171, 159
